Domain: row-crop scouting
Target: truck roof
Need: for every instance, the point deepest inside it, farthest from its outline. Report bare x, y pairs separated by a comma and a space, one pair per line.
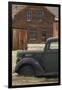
52, 38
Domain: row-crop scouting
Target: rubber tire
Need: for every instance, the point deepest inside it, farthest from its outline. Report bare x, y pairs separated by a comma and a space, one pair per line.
26, 70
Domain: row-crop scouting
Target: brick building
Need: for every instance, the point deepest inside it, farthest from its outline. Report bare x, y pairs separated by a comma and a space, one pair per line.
33, 24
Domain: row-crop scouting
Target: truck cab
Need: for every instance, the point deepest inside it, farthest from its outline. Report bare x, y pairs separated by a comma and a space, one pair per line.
39, 63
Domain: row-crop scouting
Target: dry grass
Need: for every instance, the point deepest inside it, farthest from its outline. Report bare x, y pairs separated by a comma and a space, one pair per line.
14, 53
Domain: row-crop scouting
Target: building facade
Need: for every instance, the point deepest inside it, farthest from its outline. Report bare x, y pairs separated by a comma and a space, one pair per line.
32, 24
56, 28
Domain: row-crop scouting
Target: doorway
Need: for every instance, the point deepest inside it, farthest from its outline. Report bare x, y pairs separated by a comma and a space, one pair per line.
19, 39
22, 39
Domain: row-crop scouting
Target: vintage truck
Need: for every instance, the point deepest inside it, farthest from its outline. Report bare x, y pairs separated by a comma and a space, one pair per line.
39, 63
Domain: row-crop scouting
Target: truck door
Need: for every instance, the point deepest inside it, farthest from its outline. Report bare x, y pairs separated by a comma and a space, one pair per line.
51, 58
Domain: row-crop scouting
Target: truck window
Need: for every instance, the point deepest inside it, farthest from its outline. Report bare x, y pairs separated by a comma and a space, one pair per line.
54, 45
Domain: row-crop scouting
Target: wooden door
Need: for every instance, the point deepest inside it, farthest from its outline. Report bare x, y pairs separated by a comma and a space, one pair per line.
19, 39
22, 40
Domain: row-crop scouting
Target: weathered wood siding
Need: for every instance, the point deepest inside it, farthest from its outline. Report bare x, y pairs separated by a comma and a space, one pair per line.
21, 25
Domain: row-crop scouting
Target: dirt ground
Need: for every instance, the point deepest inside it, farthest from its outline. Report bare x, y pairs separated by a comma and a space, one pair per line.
21, 80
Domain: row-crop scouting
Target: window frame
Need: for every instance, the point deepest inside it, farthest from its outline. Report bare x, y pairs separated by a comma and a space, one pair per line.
40, 15
32, 35
29, 15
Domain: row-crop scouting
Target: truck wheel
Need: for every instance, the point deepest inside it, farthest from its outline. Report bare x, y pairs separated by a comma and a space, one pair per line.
26, 70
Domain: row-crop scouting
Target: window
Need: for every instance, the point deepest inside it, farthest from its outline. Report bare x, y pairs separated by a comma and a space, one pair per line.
40, 14
32, 34
29, 15
54, 45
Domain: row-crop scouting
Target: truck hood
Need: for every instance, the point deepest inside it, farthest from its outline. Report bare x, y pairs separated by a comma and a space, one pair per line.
20, 53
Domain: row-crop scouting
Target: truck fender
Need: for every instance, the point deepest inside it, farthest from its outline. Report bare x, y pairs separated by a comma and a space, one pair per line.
30, 61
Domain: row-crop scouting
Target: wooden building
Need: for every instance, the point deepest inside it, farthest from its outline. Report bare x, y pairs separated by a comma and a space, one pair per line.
32, 24
56, 28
